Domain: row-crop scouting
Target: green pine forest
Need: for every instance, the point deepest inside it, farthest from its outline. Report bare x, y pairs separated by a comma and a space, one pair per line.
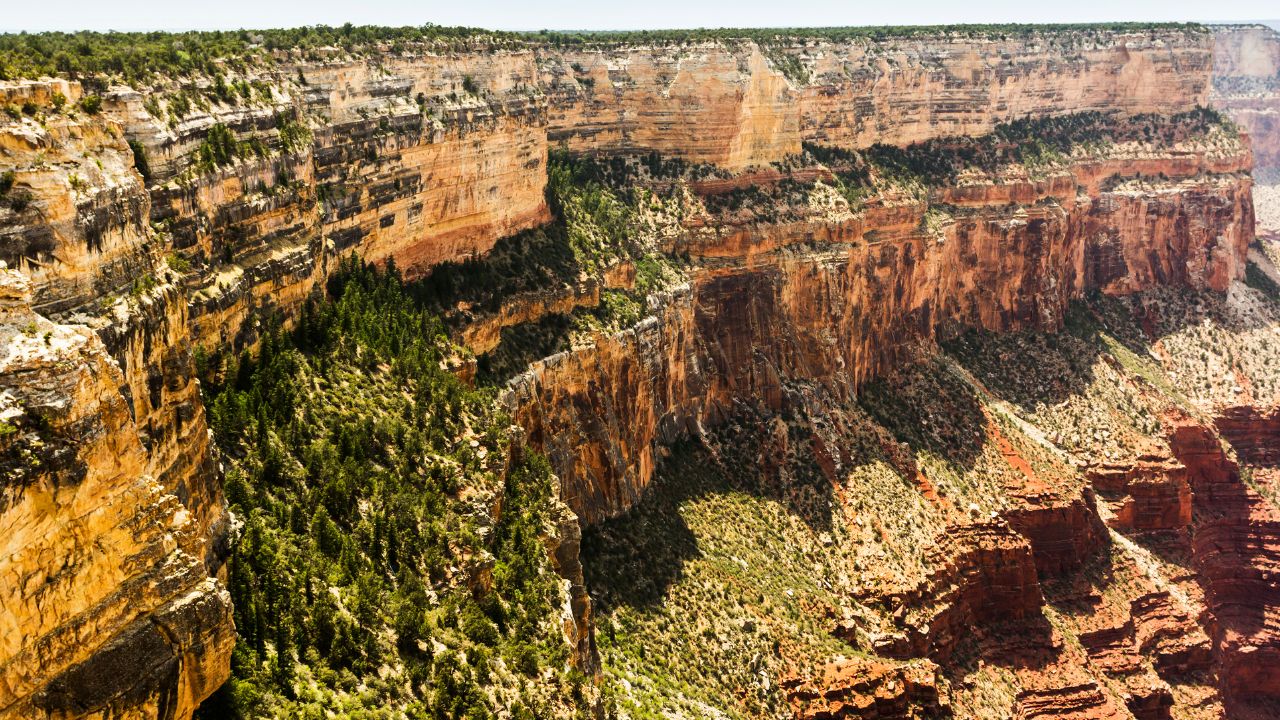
374, 575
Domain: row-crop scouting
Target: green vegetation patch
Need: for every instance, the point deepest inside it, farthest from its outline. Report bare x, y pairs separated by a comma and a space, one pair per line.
844, 34
1032, 142
141, 56
392, 560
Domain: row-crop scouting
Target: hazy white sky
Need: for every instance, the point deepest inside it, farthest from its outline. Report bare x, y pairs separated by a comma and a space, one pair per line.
601, 14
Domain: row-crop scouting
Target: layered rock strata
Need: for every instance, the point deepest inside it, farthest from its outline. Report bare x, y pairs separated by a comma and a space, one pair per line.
1246, 83
116, 523
428, 156
868, 690
1236, 547
148, 231
839, 299
109, 606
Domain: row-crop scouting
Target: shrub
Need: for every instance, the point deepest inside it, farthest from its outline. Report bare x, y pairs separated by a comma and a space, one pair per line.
179, 263
219, 147
294, 136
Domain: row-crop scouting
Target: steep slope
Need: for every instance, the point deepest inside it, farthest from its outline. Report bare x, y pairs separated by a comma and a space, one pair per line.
933, 548
103, 565
116, 521
835, 291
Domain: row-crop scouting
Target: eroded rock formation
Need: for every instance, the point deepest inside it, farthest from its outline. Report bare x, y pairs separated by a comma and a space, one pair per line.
861, 293
109, 607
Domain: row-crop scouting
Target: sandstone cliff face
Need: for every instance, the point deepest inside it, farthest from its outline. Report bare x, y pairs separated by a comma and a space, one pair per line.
1246, 83
428, 156
866, 289
109, 607
903, 92
123, 494
81, 232
752, 104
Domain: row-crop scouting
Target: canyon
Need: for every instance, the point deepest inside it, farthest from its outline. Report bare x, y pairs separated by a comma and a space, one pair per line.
893, 428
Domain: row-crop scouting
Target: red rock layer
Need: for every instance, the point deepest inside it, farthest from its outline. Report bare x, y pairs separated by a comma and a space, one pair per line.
983, 574
1253, 432
1236, 553
1149, 644
1151, 493
863, 291
867, 690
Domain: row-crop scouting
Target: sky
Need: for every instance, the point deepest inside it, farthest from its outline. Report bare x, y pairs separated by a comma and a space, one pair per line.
35, 15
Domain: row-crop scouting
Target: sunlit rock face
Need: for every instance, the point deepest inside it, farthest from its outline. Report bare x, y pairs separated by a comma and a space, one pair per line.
746, 105
105, 565
771, 308
115, 524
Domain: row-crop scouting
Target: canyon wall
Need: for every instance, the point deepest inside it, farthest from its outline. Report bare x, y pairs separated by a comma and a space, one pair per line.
742, 104
428, 156
110, 608
115, 525
1246, 83
145, 236
839, 300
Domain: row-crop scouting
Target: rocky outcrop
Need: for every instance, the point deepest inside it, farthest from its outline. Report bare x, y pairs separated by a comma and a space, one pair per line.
109, 608
1254, 433
983, 574
1236, 552
868, 690
1065, 534
1150, 493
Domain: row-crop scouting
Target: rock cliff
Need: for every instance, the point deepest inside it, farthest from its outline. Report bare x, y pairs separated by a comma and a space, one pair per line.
116, 522
104, 565
840, 299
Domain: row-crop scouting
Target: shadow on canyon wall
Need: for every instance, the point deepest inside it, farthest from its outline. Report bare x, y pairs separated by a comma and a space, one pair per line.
796, 458
926, 406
